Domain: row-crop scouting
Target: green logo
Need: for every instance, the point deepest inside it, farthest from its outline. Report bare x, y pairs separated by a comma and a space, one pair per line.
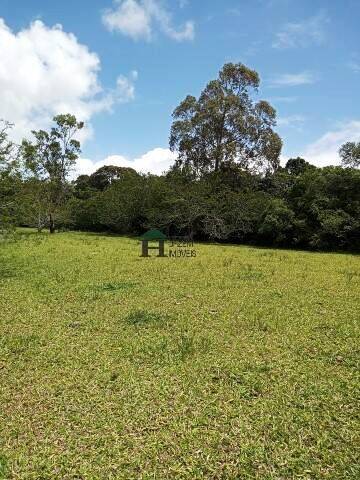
154, 236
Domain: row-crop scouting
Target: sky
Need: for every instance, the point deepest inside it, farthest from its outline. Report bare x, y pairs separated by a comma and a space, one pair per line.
122, 66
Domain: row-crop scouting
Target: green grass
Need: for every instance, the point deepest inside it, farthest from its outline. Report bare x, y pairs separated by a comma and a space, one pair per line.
241, 363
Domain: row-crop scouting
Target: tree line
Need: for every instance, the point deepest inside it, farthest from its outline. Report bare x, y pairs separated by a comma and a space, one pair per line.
226, 184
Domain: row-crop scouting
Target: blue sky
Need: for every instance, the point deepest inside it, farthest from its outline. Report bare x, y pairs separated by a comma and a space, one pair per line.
124, 66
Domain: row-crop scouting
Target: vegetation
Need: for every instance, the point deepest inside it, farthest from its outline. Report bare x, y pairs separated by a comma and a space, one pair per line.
226, 184
7, 181
225, 126
350, 154
50, 159
239, 363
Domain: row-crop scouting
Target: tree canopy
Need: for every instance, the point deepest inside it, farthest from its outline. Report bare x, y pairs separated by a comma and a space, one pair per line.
350, 154
50, 159
225, 125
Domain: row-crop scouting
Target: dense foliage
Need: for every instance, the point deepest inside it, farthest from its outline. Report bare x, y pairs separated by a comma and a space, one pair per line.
317, 208
313, 208
225, 125
226, 184
8, 181
49, 161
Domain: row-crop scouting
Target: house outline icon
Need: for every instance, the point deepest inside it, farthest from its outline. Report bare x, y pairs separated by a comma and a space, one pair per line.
153, 235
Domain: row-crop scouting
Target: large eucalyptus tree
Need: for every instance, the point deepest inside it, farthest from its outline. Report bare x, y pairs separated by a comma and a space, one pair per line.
225, 125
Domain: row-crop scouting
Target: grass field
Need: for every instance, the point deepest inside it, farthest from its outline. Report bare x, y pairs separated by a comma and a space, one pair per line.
241, 363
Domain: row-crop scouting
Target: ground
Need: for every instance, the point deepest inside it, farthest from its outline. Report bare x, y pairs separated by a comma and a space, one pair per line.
240, 363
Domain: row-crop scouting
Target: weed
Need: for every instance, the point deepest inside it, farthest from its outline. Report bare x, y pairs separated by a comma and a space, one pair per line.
144, 317
3, 467
114, 286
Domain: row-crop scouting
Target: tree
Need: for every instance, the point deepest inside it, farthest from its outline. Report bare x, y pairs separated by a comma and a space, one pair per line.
34, 202
326, 203
225, 125
106, 175
277, 223
82, 187
50, 159
6, 146
8, 178
350, 154
121, 204
297, 166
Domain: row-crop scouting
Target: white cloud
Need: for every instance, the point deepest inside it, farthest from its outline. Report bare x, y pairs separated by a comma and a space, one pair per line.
325, 150
302, 34
130, 18
293, 79
137, 19
46, 71
125, 88
155, 161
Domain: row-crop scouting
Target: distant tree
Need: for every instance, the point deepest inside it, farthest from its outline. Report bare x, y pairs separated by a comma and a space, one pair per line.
8, 178
326, 203
106, 175
121, 205
34, 202
82, 187
6, 146
297, 166
277, 223
186, 209
50, 159
224, 125
350, 154
233, 215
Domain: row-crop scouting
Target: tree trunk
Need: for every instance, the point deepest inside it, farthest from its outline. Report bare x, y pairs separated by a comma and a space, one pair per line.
51, 223
40, 225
